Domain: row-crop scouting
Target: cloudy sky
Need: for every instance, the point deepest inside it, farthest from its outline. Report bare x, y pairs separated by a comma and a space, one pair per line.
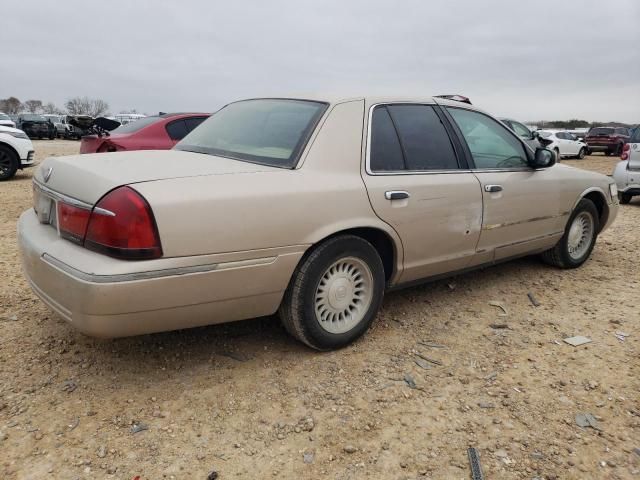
537, 59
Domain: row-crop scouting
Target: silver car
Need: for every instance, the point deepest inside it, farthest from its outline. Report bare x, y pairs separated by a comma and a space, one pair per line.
307, 207
627, 171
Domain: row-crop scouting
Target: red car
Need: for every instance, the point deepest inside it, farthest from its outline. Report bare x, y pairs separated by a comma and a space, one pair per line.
159, 132
610, 140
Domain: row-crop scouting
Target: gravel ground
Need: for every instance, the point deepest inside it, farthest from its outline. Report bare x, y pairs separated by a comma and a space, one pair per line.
247, 401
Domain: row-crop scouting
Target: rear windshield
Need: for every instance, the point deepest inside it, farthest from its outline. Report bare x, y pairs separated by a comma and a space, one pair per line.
33, 118
544, 134
601, 131
266, 131
136, 125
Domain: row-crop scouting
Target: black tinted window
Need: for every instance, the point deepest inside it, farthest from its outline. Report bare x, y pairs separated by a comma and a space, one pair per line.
424, 140
193, 122
635, 137
561, 136
601, 131
177, 129
622, 131
386, 153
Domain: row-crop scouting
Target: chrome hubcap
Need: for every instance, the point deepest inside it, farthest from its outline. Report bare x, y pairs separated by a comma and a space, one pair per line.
343, 295
580, 235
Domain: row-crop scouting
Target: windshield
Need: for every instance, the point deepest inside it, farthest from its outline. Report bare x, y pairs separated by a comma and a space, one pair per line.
33, 118
4, 116
136, 125
635, 136
601, 131
266, 131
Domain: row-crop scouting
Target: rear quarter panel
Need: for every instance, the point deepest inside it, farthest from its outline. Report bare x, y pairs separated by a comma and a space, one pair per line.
269, 209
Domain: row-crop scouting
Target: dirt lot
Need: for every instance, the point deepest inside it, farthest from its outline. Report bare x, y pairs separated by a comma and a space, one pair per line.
247, 401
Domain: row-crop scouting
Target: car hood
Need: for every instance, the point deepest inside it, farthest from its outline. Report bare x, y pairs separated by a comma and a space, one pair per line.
88, 177
9, 129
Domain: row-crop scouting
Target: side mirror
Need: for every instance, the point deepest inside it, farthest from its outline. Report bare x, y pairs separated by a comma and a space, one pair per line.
543, 158
535, 135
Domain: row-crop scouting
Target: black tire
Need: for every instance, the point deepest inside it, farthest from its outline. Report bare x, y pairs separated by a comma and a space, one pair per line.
608, 153
624, 198
298, 308
581, 153
559, 256
558, 157
9, 162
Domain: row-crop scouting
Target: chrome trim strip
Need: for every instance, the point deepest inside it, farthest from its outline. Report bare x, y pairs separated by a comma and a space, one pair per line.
104, 211
61, 197
167, 272
493, 226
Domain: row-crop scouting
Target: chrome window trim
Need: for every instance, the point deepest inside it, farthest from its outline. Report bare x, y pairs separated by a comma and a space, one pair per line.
64, 198
367, 165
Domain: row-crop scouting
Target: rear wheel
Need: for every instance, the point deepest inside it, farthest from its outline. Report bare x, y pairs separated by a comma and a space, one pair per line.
581, 153
624, 198
8, 163
334, 294
579, 238
557, 151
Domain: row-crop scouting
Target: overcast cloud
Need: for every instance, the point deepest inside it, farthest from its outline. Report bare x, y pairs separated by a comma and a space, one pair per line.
538, 59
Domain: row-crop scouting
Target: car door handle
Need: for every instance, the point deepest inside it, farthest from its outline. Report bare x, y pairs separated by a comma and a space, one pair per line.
396, 195
493, 188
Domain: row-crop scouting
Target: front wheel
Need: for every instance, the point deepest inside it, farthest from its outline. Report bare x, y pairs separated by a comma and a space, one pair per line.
624, 198
581, 153
8, 163
579, 238
557, 152
334, 294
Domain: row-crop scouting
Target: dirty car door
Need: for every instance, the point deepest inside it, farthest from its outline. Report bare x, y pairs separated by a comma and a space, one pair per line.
417, 184
522, 206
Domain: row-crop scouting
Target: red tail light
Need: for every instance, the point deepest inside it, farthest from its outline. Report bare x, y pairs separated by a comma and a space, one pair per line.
72, 221
625, 151
122, 226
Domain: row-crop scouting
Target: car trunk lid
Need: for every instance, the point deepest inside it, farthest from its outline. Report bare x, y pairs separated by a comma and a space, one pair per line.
88, 177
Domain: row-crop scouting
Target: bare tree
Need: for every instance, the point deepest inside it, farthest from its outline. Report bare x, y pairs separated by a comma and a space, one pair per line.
10, 105
51, 108
33, 106
94, 107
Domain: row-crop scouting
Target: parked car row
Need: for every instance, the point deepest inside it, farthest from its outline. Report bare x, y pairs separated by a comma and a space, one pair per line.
312, 208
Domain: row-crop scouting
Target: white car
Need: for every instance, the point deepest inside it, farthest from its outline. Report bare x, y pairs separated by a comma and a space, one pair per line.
5, 121
627, 171
564, 143
16, 152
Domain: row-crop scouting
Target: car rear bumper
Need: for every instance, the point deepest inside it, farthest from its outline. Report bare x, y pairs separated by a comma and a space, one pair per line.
114, 304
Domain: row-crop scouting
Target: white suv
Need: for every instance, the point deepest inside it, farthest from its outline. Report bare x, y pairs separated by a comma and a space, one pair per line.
627, 171
16, 151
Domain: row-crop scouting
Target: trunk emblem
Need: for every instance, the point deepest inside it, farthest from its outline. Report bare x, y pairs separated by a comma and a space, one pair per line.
47, 174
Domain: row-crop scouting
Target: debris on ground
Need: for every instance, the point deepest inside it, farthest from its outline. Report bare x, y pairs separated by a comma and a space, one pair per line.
408, 379
74, 423
587, 420
534, 301
621, 335
486, 405
307, 457
69, 386
139, 427
577, 340
237, 356
430, 360
349, 449
213, 475
499, 326
474, 461
422, 363
504, 313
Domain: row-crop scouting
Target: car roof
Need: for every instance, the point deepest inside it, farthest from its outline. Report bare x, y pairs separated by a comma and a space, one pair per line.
175, 114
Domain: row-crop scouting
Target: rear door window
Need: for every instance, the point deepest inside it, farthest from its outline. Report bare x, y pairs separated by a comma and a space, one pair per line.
177, 129
425, 142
